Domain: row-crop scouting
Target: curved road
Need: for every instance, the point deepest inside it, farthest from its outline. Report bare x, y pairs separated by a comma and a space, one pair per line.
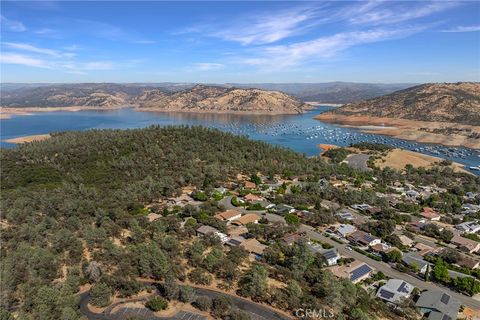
256, 311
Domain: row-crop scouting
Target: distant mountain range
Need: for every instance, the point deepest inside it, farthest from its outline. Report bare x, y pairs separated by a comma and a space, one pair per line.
220, 99
331, 92
36, 95
440, 102
196, 98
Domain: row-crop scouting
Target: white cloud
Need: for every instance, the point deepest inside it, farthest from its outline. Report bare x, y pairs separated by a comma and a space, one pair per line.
30, 48
204, 66
12, 25
282, 56
264, 28
463, 29
20, 59
44, 31
400, 13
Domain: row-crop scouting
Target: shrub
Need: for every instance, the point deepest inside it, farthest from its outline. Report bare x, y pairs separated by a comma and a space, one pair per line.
203, 303
156, 304
100, 295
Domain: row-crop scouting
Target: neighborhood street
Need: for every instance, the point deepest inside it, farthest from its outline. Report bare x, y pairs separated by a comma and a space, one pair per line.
378, 265
389, 271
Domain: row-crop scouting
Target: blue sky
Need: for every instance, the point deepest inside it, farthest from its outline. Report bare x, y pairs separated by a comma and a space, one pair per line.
123, 41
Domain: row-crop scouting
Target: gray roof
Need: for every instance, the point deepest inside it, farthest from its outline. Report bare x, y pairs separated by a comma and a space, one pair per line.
329, 253
410, 258
394, 290
442, 305
207, 229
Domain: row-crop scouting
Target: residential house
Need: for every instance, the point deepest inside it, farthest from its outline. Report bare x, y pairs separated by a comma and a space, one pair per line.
235, 230
465, 244
423, 249
395, 291
180, 201
283, 209
363, 238
430, 214
330, 255
252, 197
254, 247
246, 219
413, 259
344, 230
304, 214
229, 215
412, 195
249, 185
436, 305
468, 227
204, 230
235, 241
406, 241
468, 262
470, 195
346, 215
417, 226
355, 271
290, 239
373, 210
469, 208
361, 207
380, 248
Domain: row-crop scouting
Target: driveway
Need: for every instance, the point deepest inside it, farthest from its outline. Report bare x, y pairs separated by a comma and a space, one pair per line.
389, 271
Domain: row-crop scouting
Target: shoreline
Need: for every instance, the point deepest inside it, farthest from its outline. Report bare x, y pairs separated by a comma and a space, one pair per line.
316, 103
253, 113
26, 139
406, 129
7, 112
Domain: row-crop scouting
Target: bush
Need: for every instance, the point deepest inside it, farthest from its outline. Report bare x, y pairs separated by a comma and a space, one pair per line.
203, 303
336, 155
100, 295
156, 304
221, 306
200, 276
199, 196
186, 294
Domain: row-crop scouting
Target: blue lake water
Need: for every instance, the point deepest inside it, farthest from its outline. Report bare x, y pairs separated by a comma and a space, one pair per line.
299, 132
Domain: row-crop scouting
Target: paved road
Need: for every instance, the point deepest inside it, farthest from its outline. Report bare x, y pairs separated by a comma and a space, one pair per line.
389, 271
358, 161
378, 265
255, 310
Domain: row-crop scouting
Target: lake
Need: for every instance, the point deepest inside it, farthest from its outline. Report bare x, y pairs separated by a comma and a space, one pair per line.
299, 132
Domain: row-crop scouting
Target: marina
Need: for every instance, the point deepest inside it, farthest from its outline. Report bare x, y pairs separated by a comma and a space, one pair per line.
298, 132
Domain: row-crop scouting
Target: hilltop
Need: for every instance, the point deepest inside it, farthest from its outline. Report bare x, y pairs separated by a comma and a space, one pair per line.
198, 98
443, 102
445, 113
220, 99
